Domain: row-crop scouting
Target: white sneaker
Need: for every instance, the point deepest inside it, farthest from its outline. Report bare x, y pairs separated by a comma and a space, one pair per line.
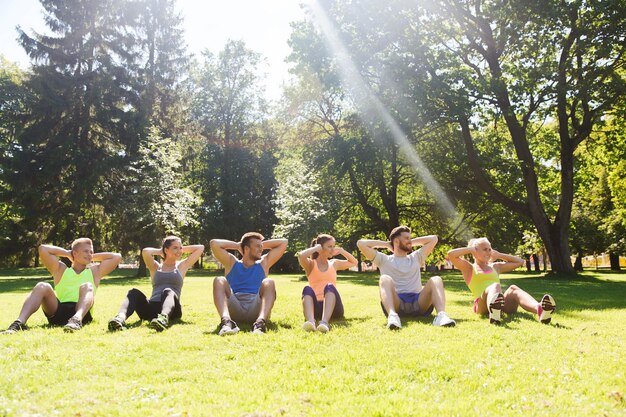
393, 322
548, 305
495, 308
323, 327
442, 319
308, 326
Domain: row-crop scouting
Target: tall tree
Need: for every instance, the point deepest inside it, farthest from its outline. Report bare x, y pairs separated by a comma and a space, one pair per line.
79, 118
514, 64
237, 182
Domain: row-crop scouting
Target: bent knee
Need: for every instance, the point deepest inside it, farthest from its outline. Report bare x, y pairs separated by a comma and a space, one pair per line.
43, 286
385, 280
86, 286
512, 289
268, 283
436, 280
220, 281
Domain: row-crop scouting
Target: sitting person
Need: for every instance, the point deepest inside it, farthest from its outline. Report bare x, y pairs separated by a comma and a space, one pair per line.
320, 299
167, 282
246, 294
483, 279
69, 303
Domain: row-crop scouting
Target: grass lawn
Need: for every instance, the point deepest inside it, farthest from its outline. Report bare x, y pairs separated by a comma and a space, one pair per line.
573, 367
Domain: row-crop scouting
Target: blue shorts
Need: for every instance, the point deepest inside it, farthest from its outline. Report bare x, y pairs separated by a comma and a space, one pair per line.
318, 306
409, 305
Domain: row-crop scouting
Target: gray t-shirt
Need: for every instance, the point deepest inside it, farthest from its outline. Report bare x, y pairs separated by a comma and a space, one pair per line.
162, 280
403, 270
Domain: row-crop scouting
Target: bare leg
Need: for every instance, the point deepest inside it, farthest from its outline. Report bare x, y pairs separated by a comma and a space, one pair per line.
515, 296
268, 296
85, 300
388, 295
308, 307
433, 294
329, 305
221, 293
42, 296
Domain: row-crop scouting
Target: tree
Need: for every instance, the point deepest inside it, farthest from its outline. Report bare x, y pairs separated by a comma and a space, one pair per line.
506, 63
236, 181
154, 201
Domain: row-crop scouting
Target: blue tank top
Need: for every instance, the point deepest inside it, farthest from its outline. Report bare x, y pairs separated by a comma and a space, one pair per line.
246, 280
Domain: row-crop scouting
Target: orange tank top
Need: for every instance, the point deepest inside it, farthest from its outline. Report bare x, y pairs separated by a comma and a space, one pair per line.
318, 279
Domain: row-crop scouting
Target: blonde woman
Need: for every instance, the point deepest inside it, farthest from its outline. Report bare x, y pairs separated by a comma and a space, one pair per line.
483, 279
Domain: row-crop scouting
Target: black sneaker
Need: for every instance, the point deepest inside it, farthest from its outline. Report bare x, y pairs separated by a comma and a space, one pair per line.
159, 323
16, 326
259, 326
116, 324
74, 324
227, 326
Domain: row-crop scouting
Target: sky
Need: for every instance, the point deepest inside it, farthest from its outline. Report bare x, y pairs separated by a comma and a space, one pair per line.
262, 24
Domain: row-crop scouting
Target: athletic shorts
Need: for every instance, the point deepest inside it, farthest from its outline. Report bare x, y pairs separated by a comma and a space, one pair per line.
318, 306
64, 312
409, 305
244, 307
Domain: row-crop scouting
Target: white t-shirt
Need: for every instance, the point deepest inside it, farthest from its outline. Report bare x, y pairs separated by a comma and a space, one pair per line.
404, 270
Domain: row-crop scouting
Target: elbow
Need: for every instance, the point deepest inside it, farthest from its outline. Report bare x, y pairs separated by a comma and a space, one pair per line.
201, 248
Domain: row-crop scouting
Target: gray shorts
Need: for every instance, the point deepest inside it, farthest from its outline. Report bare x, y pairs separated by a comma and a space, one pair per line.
244, 307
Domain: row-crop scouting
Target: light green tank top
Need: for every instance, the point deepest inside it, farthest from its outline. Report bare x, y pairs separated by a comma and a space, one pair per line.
68, 287
479, 281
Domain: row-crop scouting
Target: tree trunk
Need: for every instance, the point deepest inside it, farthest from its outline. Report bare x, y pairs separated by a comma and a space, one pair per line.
536, 262
142, 271
578, 264
528, 268
614, 259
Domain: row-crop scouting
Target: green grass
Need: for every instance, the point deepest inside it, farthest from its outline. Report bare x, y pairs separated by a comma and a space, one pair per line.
574, 367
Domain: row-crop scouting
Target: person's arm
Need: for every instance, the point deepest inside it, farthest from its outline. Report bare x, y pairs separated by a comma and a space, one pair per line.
368, 247
456, 257
50, 255
148, 255
304, 258
510, 263
341, 264
427, 242
220, 248
108, 262
277, 248
195, 252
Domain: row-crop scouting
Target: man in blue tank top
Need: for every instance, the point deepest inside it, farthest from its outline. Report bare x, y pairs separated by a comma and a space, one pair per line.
245, 293
68, 304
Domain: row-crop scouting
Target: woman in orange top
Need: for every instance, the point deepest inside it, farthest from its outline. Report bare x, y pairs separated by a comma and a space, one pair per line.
320, 299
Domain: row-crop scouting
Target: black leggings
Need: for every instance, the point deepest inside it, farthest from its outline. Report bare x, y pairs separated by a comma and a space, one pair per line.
148, 310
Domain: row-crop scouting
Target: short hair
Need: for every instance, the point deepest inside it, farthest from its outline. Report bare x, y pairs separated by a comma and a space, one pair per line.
397, 232
80, 241
320, 239
167, 242
477, 241
247, 237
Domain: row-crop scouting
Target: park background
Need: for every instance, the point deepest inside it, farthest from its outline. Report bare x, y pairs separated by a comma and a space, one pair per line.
125, 120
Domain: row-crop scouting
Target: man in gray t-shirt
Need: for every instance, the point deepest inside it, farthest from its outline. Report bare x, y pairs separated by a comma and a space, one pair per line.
401, 290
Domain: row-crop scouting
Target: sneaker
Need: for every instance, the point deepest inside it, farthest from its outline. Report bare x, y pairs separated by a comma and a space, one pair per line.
546, 308
159, 323
259, 326
308, 326
323, 327
74, 324
495, 309
393, 322
16, 326
116, 324
442, 320
227, 326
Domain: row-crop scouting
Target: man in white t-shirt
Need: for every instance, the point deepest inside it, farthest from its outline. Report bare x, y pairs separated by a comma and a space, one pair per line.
401, 290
